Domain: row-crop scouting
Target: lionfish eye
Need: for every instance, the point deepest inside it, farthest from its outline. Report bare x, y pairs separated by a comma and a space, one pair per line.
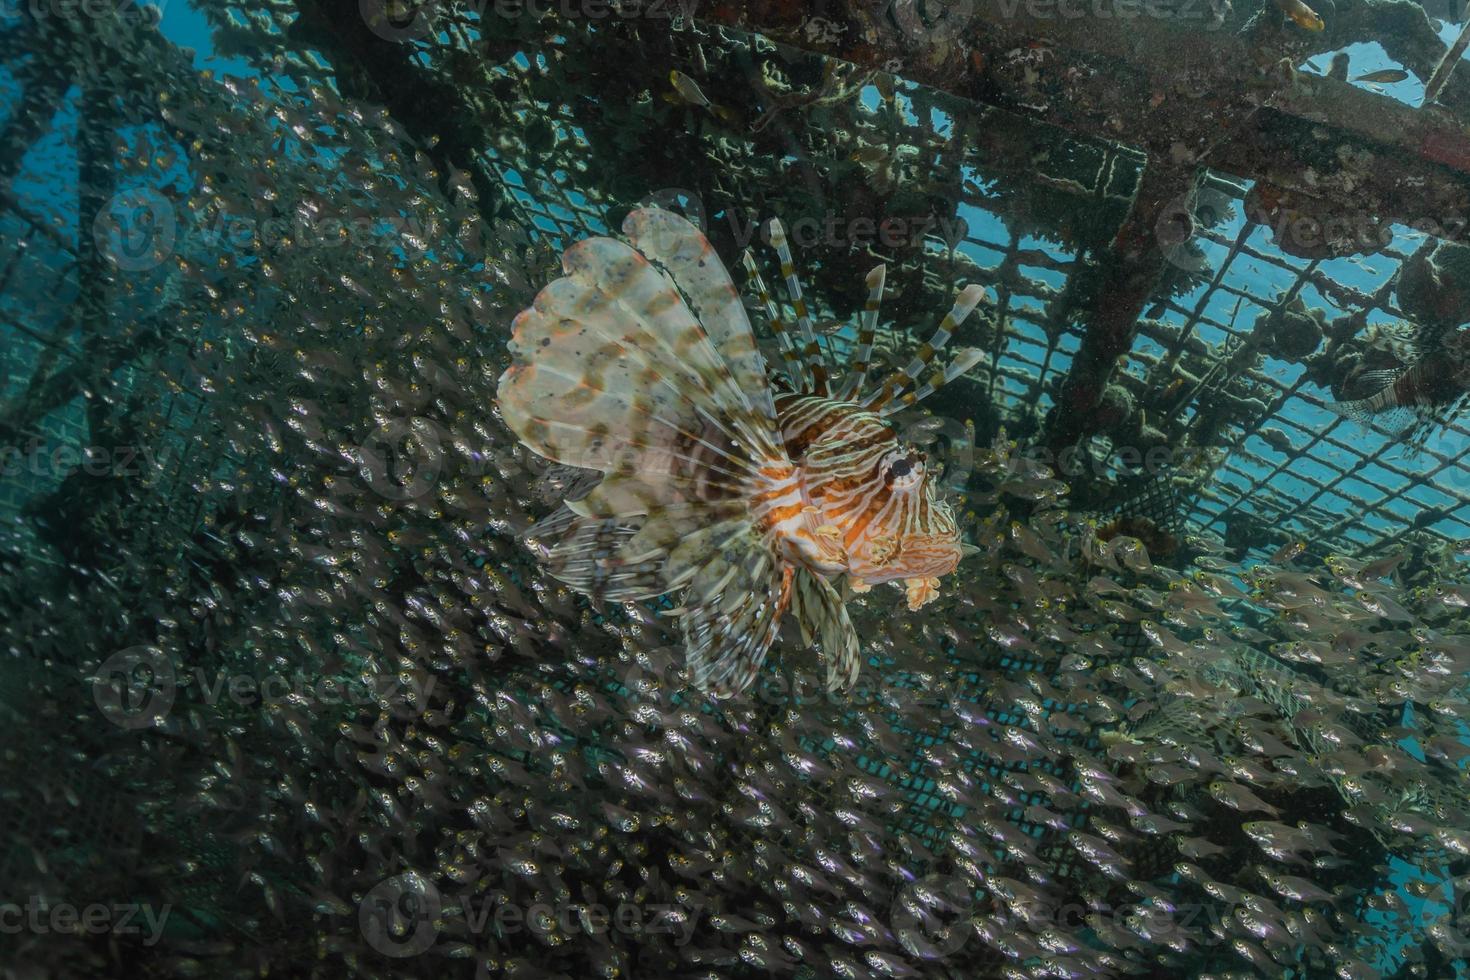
904, 472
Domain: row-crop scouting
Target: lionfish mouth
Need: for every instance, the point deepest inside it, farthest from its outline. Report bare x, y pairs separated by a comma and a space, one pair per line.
916, 559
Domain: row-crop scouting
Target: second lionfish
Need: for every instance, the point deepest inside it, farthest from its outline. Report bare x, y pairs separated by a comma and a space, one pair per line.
749, 492
1433, 385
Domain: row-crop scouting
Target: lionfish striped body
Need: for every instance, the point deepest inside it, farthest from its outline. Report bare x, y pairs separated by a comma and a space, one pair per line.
1434, 381
641, 364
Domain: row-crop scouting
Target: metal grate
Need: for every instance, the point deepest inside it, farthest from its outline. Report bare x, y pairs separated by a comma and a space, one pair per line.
554, 187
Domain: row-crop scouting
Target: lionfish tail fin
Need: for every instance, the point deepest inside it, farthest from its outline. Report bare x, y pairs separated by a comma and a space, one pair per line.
625, 558
732, 612
587, 558
821, 615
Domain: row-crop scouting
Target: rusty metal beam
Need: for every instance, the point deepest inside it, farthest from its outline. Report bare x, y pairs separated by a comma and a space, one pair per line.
1129, 272
1188, 96
1169, 88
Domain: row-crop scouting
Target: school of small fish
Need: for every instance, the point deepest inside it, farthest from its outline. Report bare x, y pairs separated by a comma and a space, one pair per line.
1074, 759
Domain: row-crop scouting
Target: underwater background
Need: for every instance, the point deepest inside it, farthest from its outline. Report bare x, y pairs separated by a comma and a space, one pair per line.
286, 693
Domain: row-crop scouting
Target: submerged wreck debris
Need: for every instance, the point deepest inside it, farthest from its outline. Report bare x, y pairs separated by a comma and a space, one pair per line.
1311, 227
1446, 67
1191, 707
1290, 332
1434, 285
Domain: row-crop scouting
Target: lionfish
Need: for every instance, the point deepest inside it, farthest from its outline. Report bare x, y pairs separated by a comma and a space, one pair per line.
750, 493
1434, 383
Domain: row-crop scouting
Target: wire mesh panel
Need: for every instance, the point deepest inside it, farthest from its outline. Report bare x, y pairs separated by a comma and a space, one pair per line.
298, 350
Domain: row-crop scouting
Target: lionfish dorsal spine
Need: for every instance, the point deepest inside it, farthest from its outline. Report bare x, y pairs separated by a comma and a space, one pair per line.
897, 382
964, 361
791, 365
816, 366
852, 385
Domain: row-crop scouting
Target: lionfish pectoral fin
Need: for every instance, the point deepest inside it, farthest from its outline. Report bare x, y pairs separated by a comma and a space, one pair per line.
550, 527
1376, 381
821, 613
732, 612
614, 372
588, 557
683, 251
1357, 410
920, 592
